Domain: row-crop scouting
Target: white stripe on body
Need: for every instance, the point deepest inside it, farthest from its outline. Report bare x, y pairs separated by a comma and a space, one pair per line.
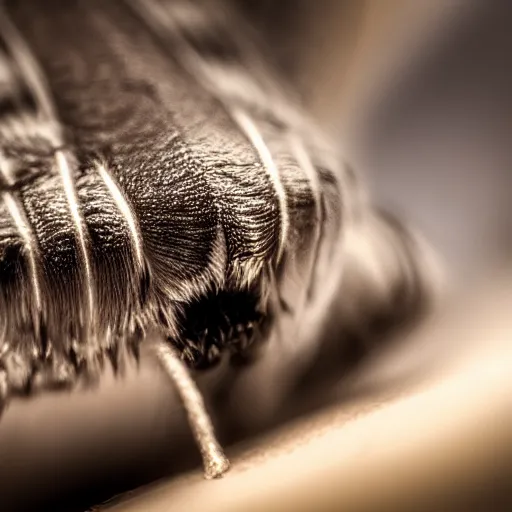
71, 197
125, 210
253, 134
16, 212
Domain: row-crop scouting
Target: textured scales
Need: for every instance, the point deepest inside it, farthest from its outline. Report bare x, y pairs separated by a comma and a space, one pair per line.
155, 173
151, 187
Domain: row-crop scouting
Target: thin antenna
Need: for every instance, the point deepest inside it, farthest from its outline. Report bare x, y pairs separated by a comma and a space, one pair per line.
214, 461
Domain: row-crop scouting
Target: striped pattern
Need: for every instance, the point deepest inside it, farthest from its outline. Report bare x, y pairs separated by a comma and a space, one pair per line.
15, 210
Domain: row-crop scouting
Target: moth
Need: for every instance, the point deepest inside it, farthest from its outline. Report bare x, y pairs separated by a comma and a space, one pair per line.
157, 174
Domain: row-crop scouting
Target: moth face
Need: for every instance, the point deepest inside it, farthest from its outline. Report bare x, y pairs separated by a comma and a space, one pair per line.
143, 191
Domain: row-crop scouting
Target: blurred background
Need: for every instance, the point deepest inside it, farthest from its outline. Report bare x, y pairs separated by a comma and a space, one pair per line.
418, 94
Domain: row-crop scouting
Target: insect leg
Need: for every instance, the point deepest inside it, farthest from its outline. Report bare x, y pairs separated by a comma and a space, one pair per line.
214, 461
